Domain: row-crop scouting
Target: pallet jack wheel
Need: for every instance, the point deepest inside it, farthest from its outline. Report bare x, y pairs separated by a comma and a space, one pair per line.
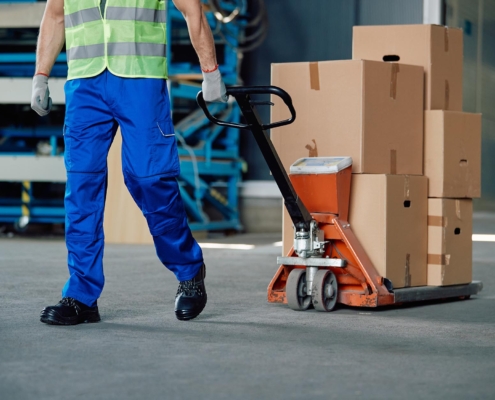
325, 290
296, 290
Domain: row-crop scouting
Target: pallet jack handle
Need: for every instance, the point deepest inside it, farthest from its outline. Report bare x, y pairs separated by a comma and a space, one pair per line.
298, 212
241, 94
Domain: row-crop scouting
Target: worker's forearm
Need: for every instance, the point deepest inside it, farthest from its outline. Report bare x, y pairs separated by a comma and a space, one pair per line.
50, 42
202, 40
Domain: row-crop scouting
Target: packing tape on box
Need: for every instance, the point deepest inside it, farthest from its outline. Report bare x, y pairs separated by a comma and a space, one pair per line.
393, 162
313, 151
447, 94
458, 209
314, 76
407, 275
439, 259
393, 80
407, 190
446, 35
434, 220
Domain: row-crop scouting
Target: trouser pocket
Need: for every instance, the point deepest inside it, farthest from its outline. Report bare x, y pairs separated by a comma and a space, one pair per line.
150, 151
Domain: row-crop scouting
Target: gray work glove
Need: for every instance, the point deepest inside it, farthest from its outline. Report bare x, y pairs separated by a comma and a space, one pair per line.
40, 96
213, 87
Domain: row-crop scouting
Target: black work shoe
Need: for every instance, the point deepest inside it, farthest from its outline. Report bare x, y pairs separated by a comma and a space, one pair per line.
69, 312
190, 299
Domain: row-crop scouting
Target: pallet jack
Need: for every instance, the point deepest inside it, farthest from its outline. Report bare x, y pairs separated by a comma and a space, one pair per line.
327, 264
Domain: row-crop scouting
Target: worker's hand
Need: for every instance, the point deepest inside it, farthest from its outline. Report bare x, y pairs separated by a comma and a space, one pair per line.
40, 96
213, 87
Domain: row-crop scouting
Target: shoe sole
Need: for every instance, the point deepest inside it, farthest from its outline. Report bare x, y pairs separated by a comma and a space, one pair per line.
53, 318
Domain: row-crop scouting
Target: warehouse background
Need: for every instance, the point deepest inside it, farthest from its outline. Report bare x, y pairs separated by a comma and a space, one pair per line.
313, 30
295, 34
243, 347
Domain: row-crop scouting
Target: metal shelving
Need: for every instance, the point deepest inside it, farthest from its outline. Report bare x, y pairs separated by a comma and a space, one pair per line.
31, 148
210, 163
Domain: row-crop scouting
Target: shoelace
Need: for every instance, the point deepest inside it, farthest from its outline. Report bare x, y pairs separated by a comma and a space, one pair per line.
189, 288
70, 302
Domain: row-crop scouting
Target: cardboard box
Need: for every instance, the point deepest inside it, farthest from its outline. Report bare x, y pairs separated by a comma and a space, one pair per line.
450, 245
371, 111
123, 221
453, 154
436, 48
388, 214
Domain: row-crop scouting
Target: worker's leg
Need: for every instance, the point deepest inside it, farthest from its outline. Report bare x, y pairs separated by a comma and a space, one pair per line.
159, 199
150, 164
89, 131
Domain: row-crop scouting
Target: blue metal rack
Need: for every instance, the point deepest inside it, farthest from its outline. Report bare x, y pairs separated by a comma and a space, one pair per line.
16, 65
22, 135
13, 142
178, 36
50, 211
210, 163
18, 44
26, 207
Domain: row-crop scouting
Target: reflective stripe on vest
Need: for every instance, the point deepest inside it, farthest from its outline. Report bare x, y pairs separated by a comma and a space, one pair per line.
80, 17
135, 14
82, 52
130, 41
117, 49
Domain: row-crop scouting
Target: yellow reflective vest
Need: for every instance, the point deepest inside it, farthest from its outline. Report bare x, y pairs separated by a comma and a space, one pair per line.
128, 38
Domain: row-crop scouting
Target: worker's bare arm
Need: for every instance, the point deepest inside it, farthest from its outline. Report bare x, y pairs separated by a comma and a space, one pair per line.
199, 31
52, 36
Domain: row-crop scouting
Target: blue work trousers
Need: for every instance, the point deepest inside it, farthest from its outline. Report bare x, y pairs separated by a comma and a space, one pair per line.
95, 107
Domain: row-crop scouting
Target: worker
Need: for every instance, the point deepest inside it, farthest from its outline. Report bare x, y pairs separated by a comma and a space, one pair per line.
116, 53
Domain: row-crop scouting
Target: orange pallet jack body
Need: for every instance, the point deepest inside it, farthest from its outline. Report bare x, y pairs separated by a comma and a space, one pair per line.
327, 198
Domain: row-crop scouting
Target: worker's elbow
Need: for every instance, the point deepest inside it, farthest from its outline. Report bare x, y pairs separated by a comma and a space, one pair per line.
54, 12
57, 15
60, 19
189, 8
193, 13
52, 21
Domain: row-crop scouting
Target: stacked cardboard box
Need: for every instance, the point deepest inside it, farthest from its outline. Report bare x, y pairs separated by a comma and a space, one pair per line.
452, 147
373, 111
436, 48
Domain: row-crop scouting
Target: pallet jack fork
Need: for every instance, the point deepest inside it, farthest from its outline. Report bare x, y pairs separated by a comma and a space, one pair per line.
327, 264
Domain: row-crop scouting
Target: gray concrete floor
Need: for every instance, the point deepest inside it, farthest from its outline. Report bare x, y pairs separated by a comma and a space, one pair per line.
241, 347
